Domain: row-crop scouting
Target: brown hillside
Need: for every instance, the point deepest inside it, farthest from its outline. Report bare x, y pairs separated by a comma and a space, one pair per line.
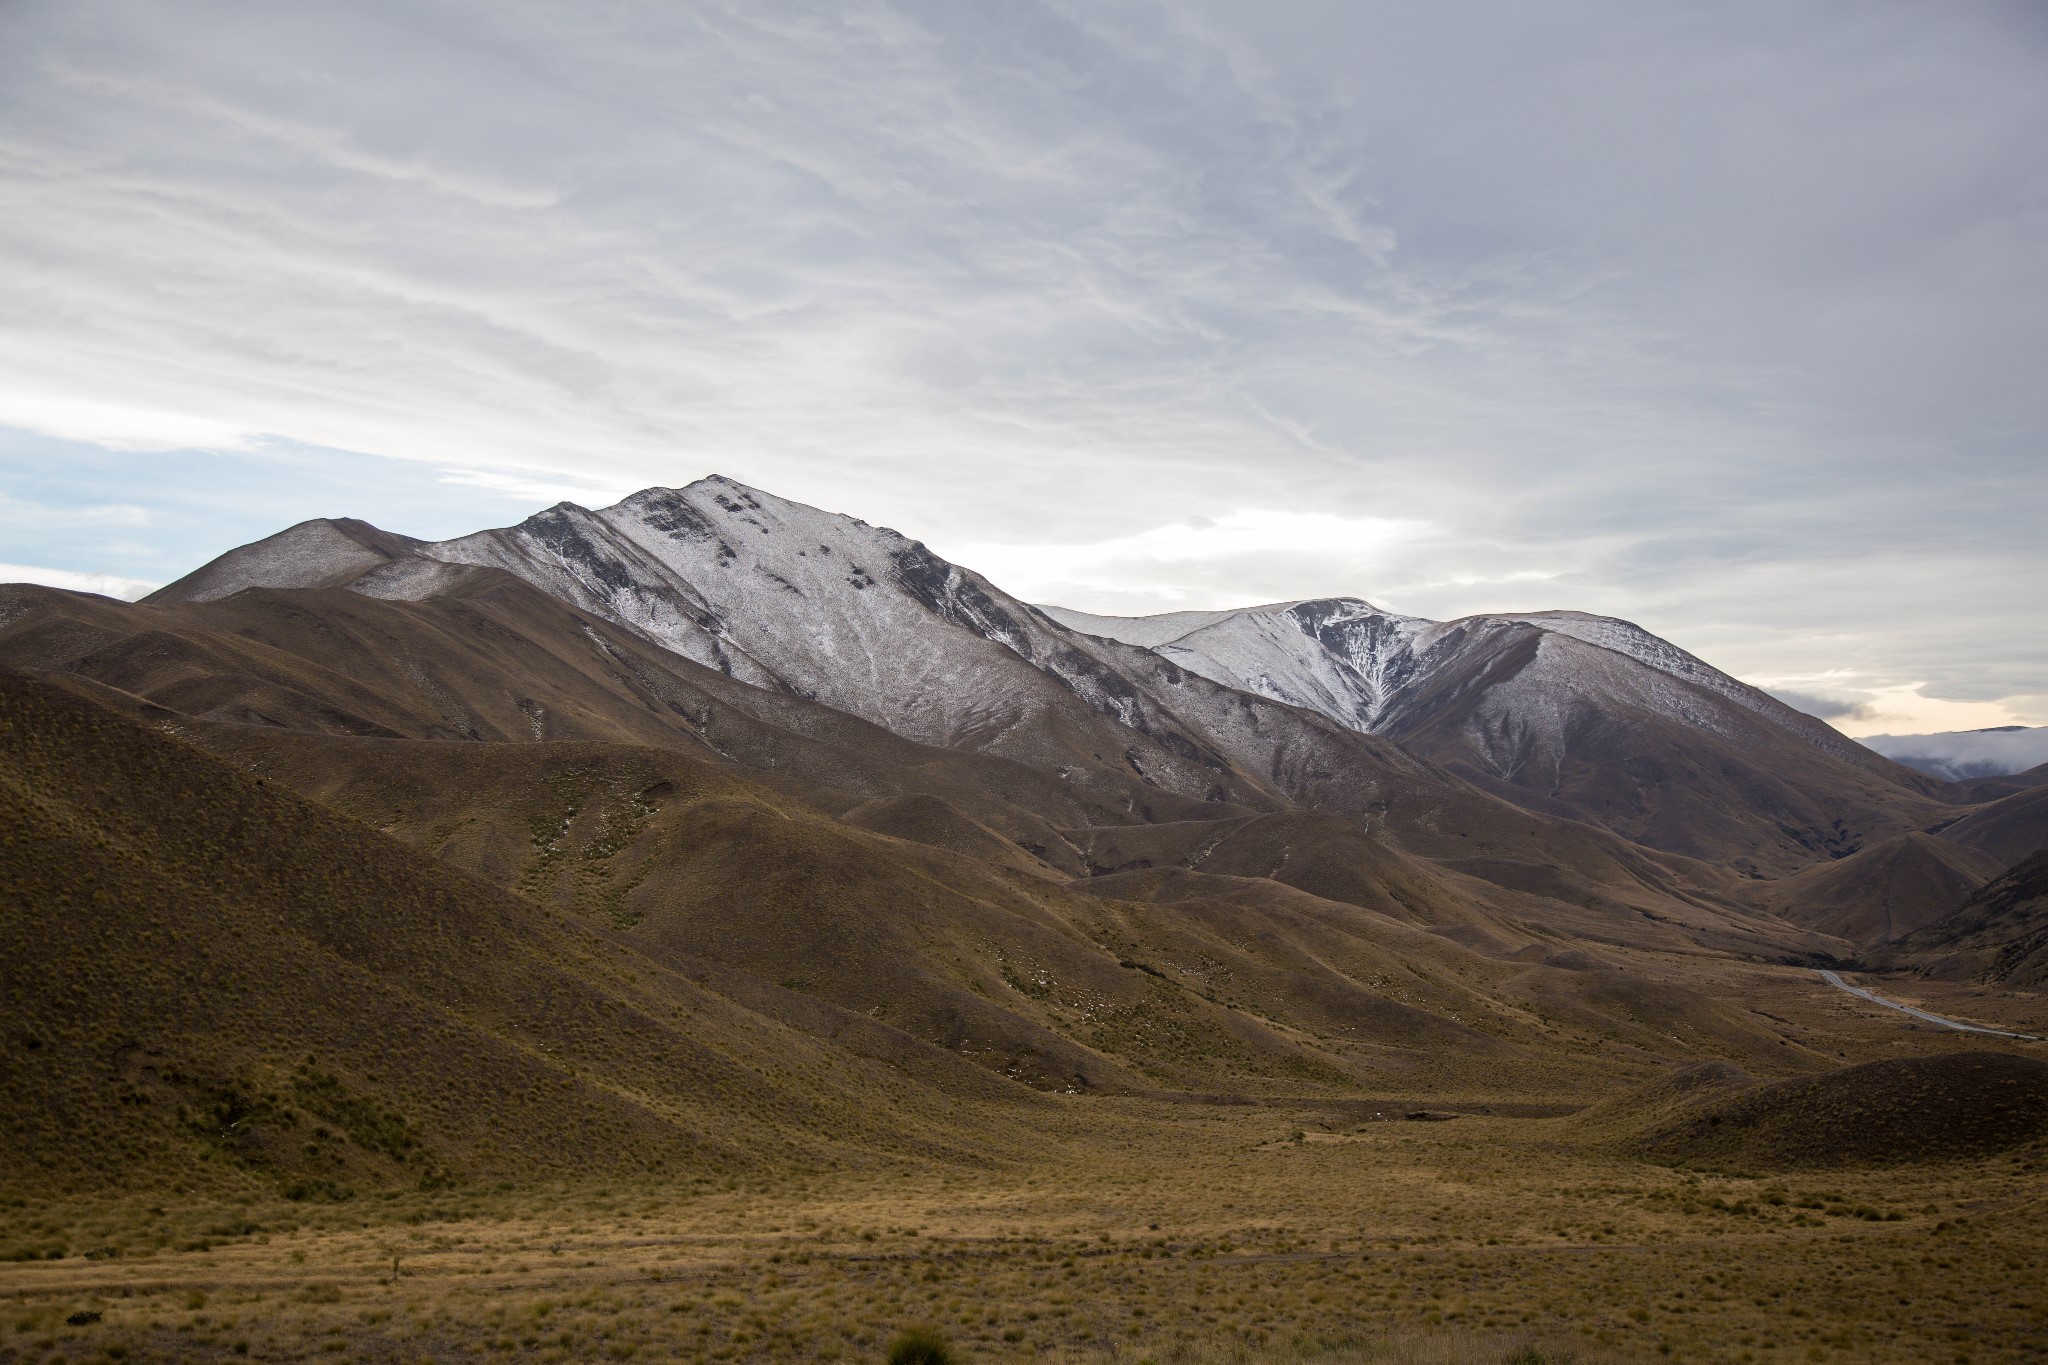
495, 660
1949, 1107
1882, 892
690, 860
2000, 934
925, 819
1976, 790
207, 977
2008, 830
1335, 965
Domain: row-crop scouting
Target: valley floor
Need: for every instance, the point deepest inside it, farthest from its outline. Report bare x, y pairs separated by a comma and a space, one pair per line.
1144, 1231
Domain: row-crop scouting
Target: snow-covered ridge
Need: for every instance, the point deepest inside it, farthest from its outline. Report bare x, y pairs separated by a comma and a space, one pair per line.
795, 599
325, 553
1626, 637
1367, 668
1146, 632
1340, 656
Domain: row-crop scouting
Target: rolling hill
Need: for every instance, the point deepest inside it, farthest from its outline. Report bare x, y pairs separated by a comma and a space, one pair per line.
211, 979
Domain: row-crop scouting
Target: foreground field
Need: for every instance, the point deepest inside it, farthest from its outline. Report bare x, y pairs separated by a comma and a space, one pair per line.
1144, 1231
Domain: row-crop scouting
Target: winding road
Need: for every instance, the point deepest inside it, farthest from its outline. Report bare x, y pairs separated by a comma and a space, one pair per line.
1834, 979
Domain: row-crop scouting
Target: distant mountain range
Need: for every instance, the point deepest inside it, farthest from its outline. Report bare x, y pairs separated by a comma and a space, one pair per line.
862, 793
1574, 715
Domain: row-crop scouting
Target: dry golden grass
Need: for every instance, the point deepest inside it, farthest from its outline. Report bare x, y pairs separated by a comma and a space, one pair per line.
1141, 1231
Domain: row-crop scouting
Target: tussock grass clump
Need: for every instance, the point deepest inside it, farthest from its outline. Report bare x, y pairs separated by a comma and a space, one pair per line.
920, 1346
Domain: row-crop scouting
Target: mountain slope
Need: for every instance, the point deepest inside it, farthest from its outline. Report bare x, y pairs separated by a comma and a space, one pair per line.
1946, 1107
1559, 725
1581, 716
830, 609
2007, 829
1630, 639
325, 553
1064, 986
1999, 934
1882, 892
688, 861
208, 977
874, 625
576, 557
1576, 716
491, 658
1978, 789
1340, 656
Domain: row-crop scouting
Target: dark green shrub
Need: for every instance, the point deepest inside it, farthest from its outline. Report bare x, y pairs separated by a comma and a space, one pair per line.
920, 1346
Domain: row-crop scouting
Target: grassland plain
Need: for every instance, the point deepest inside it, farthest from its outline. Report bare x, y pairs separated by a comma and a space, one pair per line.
1139, 1230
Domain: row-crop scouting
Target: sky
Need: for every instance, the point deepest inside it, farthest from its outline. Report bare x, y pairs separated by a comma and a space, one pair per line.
1724, 318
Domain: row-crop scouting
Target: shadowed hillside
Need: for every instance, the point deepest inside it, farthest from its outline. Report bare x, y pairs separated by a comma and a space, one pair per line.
2000, 934
1948, 1107
988, 959
209, 978
1560, 726
1883, 892
2007, 830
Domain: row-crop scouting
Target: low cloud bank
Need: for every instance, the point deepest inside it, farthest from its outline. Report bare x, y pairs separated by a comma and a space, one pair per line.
1967, 753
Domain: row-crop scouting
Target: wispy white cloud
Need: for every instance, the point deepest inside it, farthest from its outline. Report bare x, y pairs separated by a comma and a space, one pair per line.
1237, 559
105, 584
117, 427
15, 512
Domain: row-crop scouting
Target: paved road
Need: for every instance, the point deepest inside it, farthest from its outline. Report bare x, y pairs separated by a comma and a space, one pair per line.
1834, 979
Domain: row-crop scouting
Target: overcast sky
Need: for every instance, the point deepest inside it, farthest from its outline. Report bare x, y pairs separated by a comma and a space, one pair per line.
1727, 318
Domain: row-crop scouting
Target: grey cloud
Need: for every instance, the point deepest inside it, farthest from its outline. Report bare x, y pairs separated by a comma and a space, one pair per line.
1826, 708
1723, 319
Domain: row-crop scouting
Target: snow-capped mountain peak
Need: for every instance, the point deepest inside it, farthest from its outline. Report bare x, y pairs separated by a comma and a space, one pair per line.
1341, 656
859, 617
1362, 665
